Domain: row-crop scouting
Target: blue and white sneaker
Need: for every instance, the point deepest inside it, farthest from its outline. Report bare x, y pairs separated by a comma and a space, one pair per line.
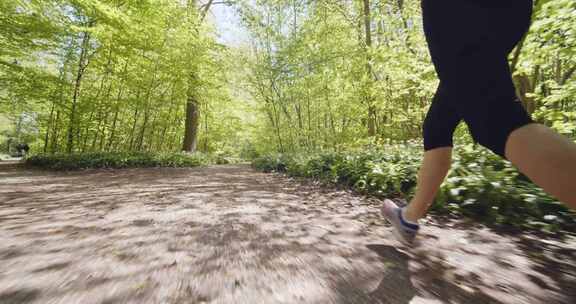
404, 231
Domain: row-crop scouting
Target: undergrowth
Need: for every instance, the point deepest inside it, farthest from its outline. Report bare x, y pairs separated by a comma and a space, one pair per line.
118, 160
480, 184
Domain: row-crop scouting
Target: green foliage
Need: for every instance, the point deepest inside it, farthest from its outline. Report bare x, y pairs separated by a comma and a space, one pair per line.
318, 85
383, 172
117, 160
548, 66
100, 75
97, 76
480, 184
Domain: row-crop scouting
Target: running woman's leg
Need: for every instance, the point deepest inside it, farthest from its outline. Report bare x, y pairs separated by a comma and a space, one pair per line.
439, 125
432, 173
438, 130
547, 158
469, 55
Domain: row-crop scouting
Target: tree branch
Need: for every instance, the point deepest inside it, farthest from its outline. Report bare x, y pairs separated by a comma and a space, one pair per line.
205, 10
219, 2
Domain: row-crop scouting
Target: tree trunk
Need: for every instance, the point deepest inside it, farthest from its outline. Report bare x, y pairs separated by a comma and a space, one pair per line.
55, 133
117, 107
371, 121
136, 112
86, 129
48, 127
57, 97
567, 75
525, 86
206, 129
81, 68
191, 124
192, 105
113, 131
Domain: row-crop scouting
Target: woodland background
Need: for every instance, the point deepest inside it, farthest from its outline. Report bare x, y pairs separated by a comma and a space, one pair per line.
330, 89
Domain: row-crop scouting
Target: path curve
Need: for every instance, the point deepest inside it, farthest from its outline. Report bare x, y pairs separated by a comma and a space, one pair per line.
229, 234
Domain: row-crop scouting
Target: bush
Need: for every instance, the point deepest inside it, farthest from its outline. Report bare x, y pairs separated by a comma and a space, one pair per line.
116, 160
480, 185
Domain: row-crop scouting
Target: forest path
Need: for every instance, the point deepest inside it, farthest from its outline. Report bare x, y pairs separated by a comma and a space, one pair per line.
229, 234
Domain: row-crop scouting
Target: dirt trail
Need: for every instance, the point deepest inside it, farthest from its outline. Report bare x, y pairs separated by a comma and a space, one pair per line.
228, 234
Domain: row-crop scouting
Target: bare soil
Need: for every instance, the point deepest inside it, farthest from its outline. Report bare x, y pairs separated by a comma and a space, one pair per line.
229, 234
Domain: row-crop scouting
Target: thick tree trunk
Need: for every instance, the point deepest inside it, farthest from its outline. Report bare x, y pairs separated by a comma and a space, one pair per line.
191, 124
192, 105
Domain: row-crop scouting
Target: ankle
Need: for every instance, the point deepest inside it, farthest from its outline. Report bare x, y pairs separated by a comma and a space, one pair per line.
409, 215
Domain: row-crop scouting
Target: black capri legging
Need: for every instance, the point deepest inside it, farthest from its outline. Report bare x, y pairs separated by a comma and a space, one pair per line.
469, 42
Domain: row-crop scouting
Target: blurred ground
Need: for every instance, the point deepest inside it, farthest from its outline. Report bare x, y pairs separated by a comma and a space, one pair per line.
228, 234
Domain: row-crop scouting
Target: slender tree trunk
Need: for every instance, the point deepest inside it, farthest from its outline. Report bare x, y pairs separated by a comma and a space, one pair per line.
567, 75
102, 117
147, 109
48, 127
150, 143
80, 73
525, 87
117, 107
131, 145
98, 133
143, 128
86, 129
55, 133
369, 98
58, 93
406, 28
309, 119
331, 115
102, 136
206, 129
112, 132
166, 124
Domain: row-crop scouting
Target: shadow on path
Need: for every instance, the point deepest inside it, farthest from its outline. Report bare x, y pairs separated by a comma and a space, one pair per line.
228, 234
